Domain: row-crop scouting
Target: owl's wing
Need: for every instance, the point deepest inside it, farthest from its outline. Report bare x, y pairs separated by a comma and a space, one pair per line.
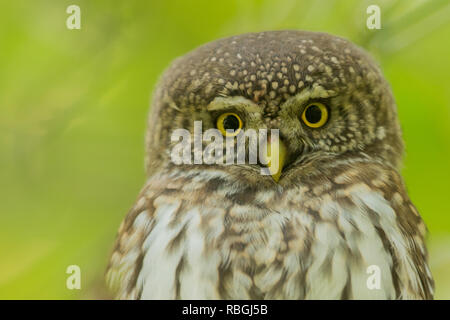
147, 256
372, 199
411, 272
126, 259
406, 235
162, 237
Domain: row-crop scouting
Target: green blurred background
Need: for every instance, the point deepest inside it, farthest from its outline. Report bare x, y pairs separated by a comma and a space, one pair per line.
73, 108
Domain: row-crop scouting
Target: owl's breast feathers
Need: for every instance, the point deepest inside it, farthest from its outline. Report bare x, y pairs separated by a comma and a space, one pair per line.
200, 234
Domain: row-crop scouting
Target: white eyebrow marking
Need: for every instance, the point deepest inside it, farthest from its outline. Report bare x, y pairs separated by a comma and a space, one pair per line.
237, 102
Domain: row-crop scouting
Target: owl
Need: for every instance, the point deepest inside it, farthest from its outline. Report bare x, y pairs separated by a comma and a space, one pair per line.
334, 221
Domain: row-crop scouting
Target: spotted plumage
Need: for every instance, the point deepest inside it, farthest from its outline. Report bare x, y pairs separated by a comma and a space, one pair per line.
202, 231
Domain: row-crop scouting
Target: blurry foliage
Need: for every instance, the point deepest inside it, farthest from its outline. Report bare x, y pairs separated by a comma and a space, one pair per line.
73, 108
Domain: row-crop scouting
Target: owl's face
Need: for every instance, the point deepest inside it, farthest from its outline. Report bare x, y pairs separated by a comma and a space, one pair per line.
326, 97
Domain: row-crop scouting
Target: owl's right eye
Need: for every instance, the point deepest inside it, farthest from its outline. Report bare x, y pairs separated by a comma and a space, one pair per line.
229, 124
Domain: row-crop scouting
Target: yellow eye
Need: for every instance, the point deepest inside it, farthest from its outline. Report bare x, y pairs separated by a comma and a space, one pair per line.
315, 115
229, 124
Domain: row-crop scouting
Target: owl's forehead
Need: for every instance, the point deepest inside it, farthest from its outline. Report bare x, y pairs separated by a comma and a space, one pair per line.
267, 68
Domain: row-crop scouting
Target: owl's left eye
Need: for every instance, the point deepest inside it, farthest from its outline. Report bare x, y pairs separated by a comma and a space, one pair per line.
315, 115
229, 124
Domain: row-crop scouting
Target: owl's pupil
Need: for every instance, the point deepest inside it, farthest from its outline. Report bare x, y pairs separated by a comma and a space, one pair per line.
313, 114
231, 123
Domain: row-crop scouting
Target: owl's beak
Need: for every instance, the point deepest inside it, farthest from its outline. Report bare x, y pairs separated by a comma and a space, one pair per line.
276, 158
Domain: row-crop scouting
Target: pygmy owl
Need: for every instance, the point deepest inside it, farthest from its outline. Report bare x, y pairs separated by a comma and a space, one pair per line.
336, 209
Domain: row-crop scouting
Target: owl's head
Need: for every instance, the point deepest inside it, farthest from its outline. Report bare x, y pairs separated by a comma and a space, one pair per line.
326, 96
